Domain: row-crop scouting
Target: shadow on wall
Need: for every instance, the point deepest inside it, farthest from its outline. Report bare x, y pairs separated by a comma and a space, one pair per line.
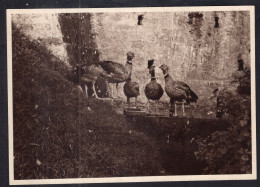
191, 44
80, 45
201, 48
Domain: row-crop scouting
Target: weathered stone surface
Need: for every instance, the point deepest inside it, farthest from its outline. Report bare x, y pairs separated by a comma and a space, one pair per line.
201, 48
46, 29
196, 51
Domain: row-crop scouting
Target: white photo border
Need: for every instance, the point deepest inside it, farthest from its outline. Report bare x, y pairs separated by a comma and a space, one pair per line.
252, 176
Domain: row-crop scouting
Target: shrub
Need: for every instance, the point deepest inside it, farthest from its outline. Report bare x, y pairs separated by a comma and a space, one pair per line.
229, 152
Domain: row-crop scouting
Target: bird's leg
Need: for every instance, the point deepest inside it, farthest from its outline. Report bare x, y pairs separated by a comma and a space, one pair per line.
128, 102
135, 102
86, 89
156, 107
117, 90
175, 109
95, 93
148, 106
171, 108
83, 87
94, 89
183, 109
112, 91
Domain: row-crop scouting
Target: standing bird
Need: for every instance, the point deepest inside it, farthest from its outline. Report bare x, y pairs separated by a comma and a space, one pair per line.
223, 97
177, 91
88, 75
131, 89
153, 90
112, 72
117, 72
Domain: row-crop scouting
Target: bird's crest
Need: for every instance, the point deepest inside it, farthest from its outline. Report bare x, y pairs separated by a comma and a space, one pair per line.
150, 63
130, 54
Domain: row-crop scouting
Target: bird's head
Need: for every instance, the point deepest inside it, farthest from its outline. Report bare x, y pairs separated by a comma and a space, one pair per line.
216, 91
130, 56
75, 69
164, 68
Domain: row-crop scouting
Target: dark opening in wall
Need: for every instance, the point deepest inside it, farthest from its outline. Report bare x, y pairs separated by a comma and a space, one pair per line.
140, 19
195, 22
190, 15
216, 22
198, 15
240, 64
195, 15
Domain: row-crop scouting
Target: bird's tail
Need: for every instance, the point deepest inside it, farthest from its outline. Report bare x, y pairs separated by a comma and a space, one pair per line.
192, 97
102, 73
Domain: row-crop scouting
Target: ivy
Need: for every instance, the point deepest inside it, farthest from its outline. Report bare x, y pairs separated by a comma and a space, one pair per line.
229, 152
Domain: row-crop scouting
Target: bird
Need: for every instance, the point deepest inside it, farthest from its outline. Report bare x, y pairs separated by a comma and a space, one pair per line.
88, 75
177, 91
110, 71
117, 72
153, 90
223, 97
131, 89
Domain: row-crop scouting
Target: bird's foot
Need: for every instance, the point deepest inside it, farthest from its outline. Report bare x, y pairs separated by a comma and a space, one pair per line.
133, 109
103, 98
117, 98
173, 115
148, 111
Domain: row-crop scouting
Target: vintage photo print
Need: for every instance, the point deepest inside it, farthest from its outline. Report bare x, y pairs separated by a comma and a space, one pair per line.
131, 94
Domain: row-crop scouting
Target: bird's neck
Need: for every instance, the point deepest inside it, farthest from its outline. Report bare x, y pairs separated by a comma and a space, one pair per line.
129, 79
167, 78
153, 75
166, 75
129, 67
129, 62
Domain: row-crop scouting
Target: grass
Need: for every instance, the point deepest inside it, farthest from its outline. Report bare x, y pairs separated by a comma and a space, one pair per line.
60, 133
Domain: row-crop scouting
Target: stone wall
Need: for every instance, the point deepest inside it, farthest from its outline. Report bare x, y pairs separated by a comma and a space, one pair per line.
201, 48
46, 29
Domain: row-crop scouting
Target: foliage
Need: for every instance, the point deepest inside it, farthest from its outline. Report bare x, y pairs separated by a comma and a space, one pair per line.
244, 82
229, 152
59, 132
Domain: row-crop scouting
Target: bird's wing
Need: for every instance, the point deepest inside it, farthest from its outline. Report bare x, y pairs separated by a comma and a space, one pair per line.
113, 67
136, 86
182, 86
94, 71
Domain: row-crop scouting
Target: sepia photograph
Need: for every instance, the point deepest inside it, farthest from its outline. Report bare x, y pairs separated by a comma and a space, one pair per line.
131, 94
